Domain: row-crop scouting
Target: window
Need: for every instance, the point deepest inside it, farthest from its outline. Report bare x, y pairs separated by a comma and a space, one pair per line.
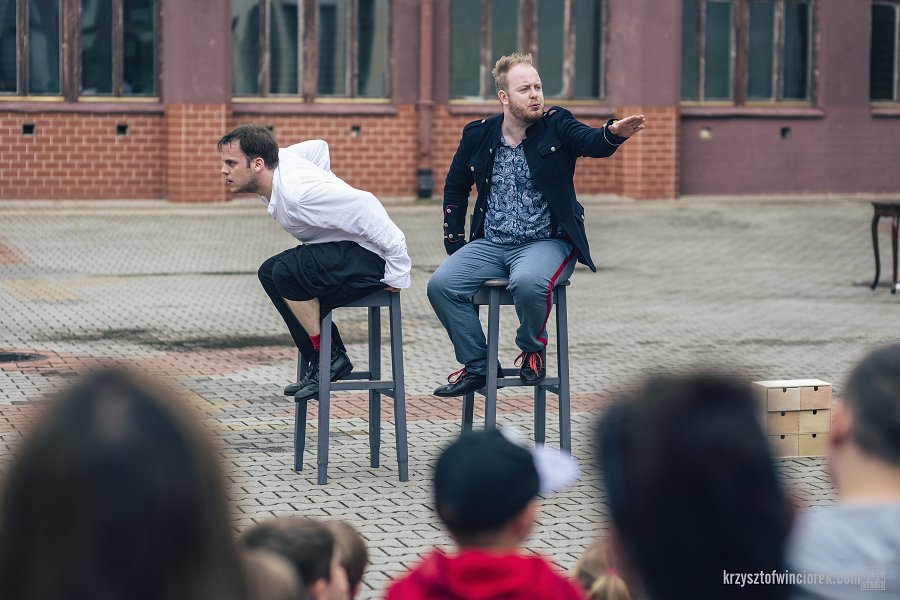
114, 40
740, 51
564, 36
311, 48
883, 79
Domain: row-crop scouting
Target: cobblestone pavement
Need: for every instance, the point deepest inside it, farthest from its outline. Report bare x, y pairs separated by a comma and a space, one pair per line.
773, 288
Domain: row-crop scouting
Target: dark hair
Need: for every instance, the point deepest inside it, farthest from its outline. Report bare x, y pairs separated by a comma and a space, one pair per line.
116, 493
352, 549
873, 397
255, 141
308, 544
691, 487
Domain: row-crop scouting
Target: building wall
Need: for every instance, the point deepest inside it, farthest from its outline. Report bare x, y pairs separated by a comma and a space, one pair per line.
841, 144
80, 156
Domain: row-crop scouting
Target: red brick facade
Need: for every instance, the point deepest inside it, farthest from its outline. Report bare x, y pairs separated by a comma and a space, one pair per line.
81, 157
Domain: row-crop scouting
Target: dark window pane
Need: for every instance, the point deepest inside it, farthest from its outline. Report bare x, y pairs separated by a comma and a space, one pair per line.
465, 47
884, 51
504, 33
550, 46
138, 61
373, 32
43, 47
761, 52
588, 48
717, 54
796, 51
245, 47
283, 49
8, 37
690, 36
96, 47
332, 53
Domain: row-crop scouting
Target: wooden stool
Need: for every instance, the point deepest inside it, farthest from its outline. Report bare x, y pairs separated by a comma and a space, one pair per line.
493, 294
359, 380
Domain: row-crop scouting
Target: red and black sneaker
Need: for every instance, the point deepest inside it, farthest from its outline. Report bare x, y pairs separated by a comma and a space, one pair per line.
532, 366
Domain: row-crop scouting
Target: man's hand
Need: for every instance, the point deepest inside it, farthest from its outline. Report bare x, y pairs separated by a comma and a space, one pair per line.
628, 126
392, 289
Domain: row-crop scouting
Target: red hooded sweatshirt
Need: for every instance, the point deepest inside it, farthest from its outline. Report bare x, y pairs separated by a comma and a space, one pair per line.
479, 575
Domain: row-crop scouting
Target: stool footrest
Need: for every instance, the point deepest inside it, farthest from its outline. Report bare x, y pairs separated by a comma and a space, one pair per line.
551, 384
375, 384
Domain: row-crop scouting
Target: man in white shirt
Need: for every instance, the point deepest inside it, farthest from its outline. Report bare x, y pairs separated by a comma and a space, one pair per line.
852, 548
349, 248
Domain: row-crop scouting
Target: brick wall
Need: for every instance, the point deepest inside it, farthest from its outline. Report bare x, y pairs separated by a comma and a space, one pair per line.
649, 162
193, 162
376, 153
80, 156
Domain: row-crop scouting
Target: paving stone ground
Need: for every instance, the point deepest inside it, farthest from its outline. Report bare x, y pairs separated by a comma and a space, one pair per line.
772, 288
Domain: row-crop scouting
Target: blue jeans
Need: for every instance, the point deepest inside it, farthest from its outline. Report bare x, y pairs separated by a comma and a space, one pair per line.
533, 269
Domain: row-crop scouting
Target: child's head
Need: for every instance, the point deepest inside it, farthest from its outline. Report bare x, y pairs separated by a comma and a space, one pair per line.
352, 552
271, 576
484, 490
599, 575
310, 547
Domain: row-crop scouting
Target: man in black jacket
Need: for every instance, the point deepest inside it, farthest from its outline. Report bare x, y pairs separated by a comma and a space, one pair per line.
526, 225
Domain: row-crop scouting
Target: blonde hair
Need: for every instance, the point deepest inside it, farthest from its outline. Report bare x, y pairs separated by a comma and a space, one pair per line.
505, 63
597, 575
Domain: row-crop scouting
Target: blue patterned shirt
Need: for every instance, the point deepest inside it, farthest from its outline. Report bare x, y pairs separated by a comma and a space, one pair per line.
517, 211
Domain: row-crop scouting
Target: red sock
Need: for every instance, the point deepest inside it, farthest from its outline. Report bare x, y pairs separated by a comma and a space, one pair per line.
315, 342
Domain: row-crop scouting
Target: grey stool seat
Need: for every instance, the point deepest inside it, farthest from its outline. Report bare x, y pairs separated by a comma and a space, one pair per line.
493, 294
359, 380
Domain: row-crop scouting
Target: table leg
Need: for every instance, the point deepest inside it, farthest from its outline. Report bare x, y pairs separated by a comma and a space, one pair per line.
875, 218
894, 223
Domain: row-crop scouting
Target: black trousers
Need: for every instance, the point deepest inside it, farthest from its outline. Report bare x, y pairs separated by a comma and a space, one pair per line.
336, 273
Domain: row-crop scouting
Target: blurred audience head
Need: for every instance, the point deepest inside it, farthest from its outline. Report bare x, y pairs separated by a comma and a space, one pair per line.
271, 576
599, 575
485, 490
116, 493
691, 486
866, 426
352, 552
310, 547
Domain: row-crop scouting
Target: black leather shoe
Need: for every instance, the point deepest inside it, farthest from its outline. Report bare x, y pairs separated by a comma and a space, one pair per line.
340, 367
462, 385
532, 366
293, 388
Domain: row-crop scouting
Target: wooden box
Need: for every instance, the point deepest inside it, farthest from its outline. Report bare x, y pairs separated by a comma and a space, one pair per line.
786, 444
812, 444
814, 421
783, 422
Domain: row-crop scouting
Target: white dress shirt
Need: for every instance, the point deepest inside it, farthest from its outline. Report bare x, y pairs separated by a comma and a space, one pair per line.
315, 206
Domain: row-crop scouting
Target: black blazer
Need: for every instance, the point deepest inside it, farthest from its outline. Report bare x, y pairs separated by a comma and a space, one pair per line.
551, 145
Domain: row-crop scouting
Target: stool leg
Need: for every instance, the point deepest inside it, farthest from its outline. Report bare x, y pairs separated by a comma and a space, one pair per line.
324, 398
468, 411
540, 414
300, 407
399, 390
374, 395
562, 361
490, 396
